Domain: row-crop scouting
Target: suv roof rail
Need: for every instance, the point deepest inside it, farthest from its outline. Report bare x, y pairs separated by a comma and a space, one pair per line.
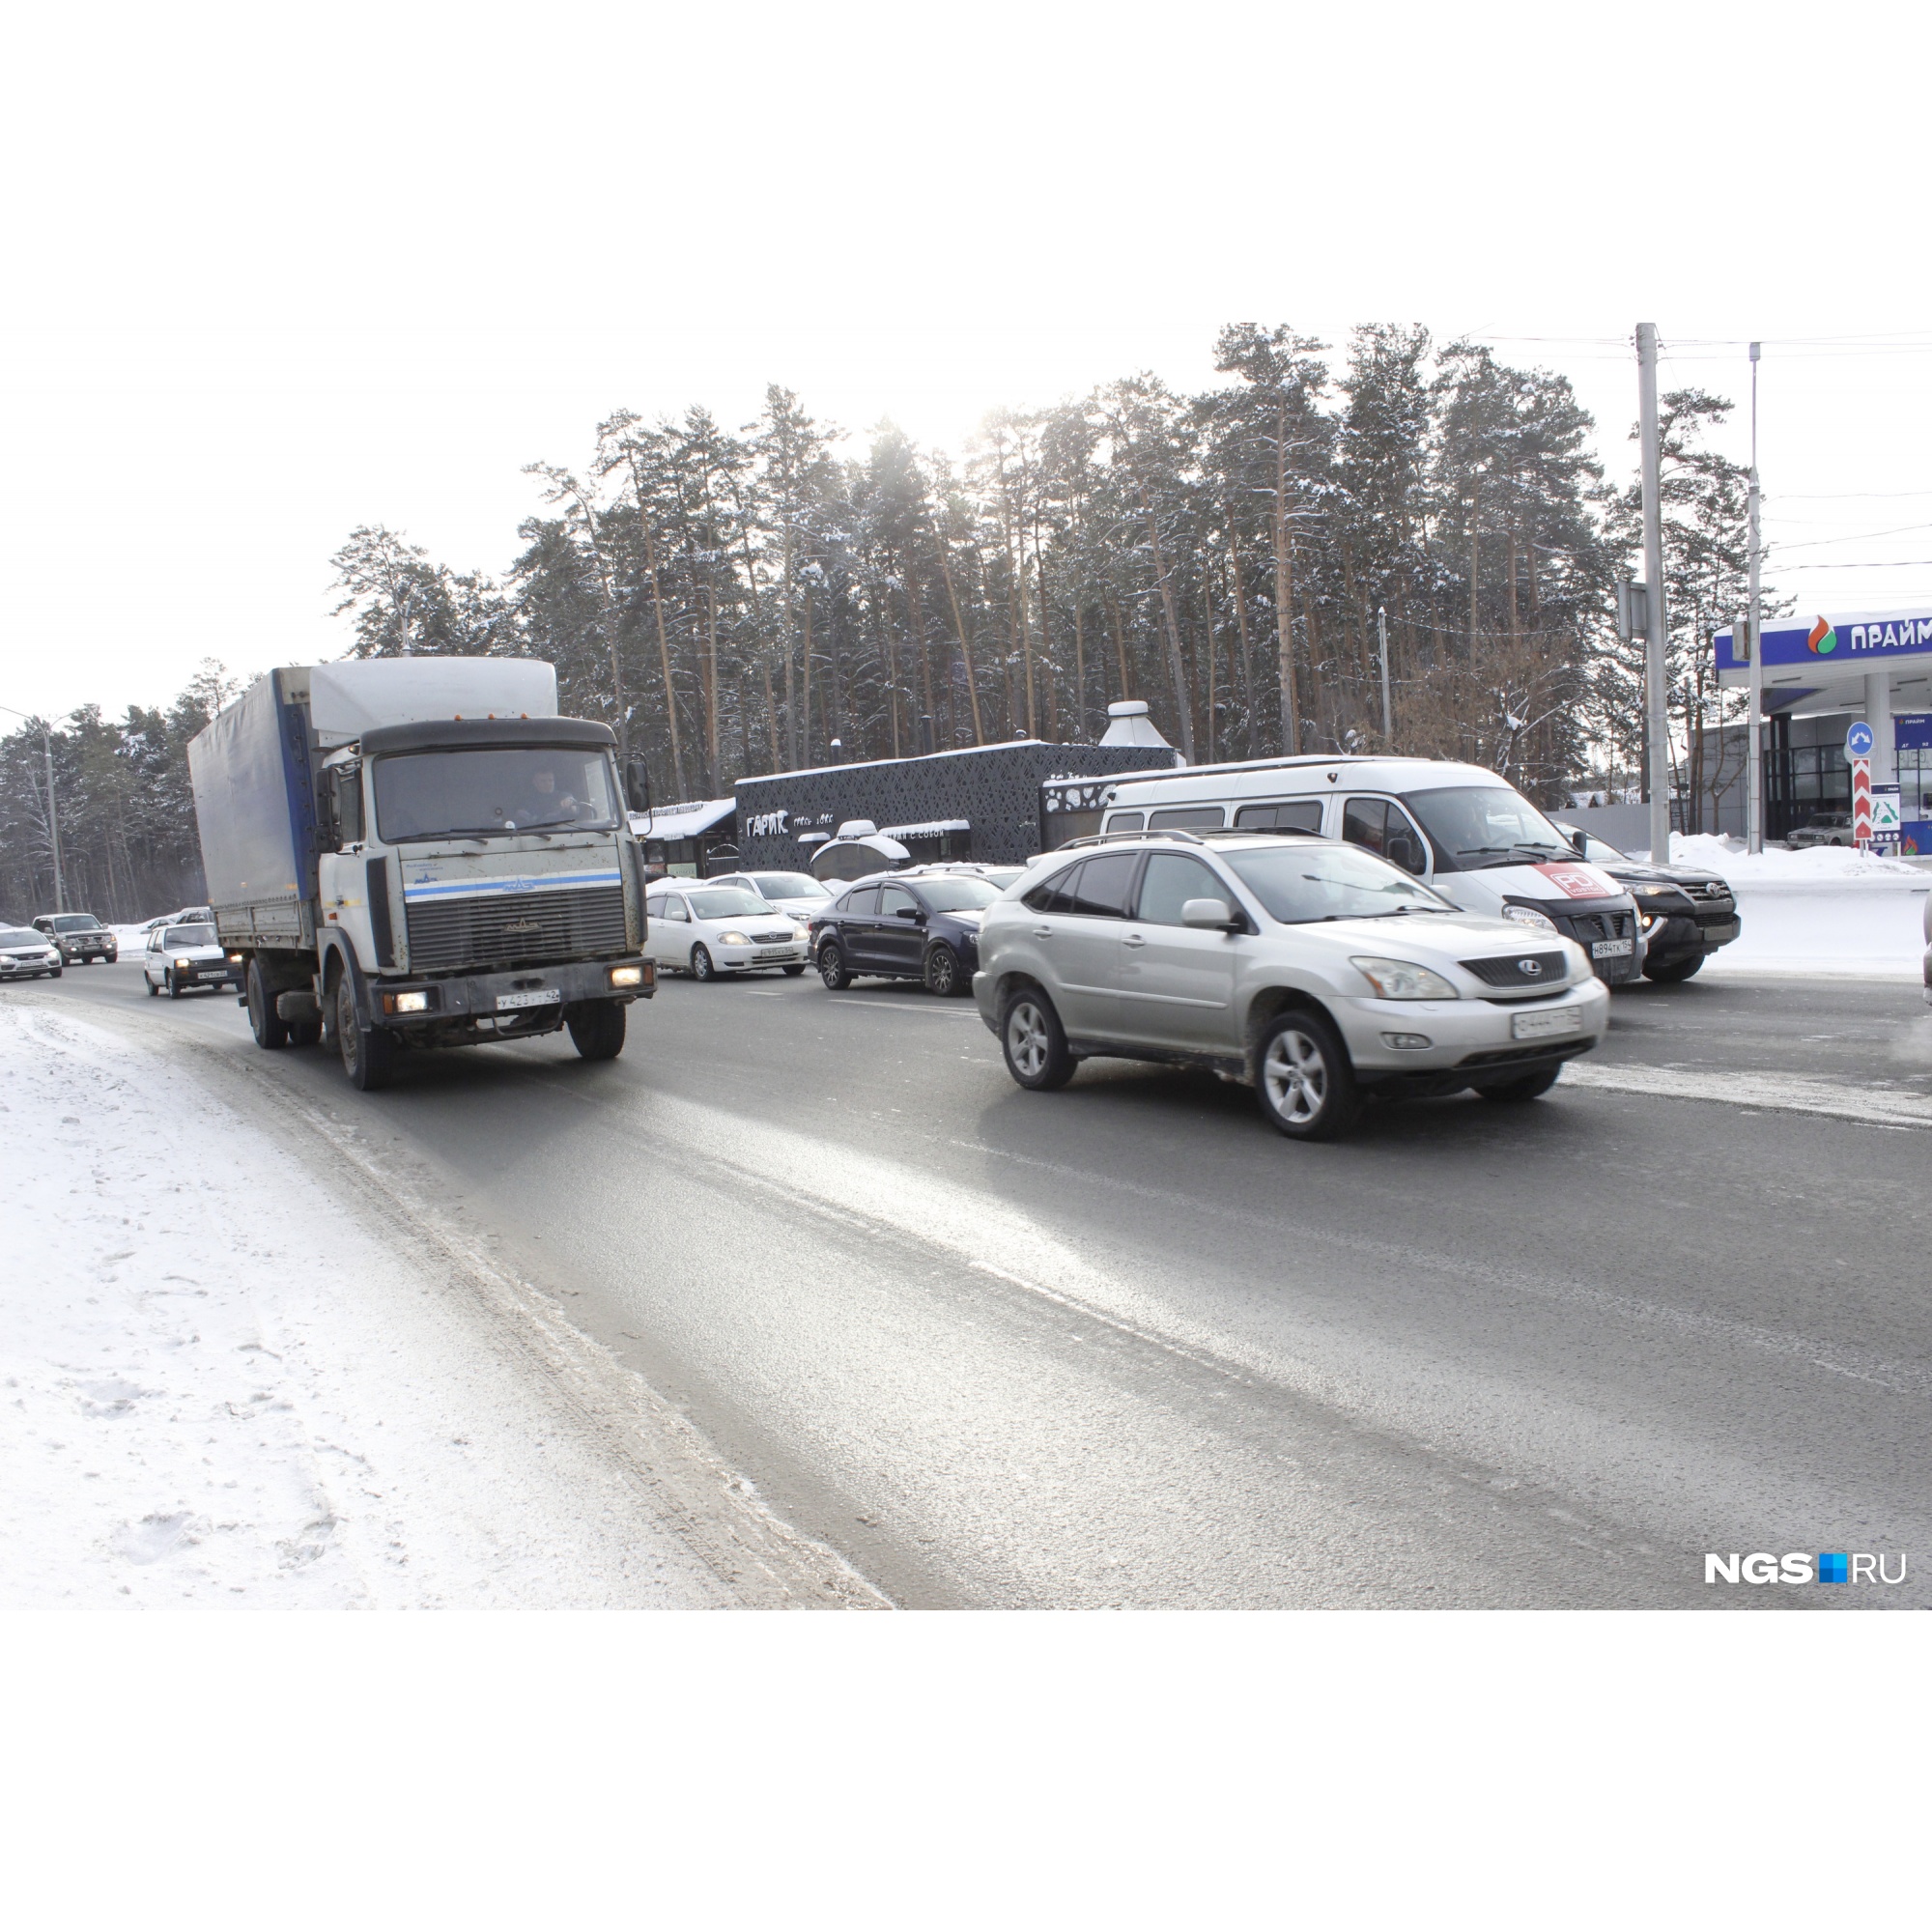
1111, 838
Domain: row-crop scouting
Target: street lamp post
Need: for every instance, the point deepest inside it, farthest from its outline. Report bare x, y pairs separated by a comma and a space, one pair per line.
53, 808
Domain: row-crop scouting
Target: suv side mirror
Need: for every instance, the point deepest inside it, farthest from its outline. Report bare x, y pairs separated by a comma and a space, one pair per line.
637, 786
1209, 915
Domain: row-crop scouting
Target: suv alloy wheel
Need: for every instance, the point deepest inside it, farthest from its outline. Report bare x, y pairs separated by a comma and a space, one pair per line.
1305, 1084
1033, 1041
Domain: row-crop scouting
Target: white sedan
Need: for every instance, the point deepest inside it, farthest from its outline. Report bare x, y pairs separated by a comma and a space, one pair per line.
182, 957
704, 928
797, 893
25, 954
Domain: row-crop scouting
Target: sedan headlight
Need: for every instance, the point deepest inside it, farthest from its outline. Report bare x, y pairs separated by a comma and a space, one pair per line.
1401, 980
732, 939
1523, 915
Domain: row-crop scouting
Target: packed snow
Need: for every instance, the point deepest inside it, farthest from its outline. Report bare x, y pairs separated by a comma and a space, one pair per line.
217, 1387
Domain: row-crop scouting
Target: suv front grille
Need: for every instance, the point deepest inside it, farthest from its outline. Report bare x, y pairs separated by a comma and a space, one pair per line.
1550, 970
491, 930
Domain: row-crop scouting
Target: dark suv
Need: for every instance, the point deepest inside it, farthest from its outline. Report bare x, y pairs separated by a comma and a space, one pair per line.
1685, 915
918, 925
79, 936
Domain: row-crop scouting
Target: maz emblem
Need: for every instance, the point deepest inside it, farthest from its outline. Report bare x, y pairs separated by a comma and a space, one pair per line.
523, 926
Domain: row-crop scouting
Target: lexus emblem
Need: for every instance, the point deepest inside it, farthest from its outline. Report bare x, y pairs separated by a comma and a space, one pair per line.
1530, 968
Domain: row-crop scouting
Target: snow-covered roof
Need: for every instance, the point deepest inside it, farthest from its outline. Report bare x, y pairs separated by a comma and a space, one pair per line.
682, 821
932, 828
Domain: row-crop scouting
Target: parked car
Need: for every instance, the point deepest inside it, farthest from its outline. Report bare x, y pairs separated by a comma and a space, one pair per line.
705, 928
797, 895
923, 923
182, 958
80, 937
1822, 828
1000, 876
26, 955
1686, 915
1313, 971
186, 916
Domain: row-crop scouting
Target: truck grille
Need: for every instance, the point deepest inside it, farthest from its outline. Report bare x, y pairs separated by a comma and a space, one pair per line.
1552, 970
493, 931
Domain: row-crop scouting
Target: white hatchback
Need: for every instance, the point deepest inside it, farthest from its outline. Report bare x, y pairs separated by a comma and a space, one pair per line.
179, 959
706, 927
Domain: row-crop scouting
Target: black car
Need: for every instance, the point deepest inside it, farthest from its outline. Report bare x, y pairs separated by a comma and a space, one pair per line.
921, 923
1685, 915
79, 936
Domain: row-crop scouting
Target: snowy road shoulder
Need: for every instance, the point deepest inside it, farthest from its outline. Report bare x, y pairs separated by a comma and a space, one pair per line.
218, 1385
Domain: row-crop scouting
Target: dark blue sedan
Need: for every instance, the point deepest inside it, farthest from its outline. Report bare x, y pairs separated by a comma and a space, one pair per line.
918, 925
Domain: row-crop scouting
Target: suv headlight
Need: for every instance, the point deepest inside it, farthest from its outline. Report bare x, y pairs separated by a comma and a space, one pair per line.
1529, 915
1400, 980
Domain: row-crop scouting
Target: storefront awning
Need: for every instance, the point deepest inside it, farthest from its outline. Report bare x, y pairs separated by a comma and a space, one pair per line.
683, 821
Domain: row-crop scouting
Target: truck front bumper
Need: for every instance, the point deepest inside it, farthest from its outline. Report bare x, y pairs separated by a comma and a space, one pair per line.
536, 995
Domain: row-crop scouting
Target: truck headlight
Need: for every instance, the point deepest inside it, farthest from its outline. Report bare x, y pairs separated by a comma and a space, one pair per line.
1401, 980
1529, 915
627, 976
405, 1003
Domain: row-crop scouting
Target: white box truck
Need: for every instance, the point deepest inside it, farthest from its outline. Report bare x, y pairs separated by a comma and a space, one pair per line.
419, 851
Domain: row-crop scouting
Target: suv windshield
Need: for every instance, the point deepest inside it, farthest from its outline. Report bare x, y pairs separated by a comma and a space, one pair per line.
961, 893
726, 902
1473, 827
76, 922
189, 935
484, 794
788, 885
1301, 884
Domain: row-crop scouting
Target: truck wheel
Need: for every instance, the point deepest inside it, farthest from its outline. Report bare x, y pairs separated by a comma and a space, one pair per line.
268, 1025
597, 1029
368, 1057
304, 1033
1673, 972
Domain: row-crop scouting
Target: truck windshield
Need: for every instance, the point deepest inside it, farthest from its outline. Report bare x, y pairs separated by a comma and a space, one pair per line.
491, 792
1474, 827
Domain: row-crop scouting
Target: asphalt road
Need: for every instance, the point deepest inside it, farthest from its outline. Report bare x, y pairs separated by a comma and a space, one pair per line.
1123, 1345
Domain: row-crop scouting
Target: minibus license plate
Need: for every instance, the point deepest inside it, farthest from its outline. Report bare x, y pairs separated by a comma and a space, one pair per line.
1610, 949
549, 997
1534, 1025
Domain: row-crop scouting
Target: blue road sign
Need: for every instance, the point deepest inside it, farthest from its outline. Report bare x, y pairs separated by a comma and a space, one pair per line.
1858, 742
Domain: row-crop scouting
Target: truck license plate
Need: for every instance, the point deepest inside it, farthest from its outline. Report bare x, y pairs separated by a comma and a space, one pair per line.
1534, 1025
1610, 949
550, 996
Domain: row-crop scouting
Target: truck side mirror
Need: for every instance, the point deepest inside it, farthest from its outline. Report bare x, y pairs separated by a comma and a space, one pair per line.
637, 786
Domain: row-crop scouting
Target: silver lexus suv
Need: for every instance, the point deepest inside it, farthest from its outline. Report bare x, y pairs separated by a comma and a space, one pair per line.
1313, 971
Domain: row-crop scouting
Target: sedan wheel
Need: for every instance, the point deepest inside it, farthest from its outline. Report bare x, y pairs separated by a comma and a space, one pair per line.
1307, 1087
701, 967
174, 985
942, 971
832, 966
154, 991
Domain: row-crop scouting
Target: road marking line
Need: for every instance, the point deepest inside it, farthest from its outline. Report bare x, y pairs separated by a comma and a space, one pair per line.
1780, 1092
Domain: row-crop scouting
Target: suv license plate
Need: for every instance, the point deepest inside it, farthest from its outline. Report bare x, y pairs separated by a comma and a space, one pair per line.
1610, 949
1535, 1026
551, 996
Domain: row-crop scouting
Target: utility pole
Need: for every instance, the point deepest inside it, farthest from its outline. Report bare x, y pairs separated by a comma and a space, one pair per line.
53, 808
1754, 750
1383, 633
1655, 710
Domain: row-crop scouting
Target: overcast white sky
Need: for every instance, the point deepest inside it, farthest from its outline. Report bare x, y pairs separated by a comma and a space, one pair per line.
273, 272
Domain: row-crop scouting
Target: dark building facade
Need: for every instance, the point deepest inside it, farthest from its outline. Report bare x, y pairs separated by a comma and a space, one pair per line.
980, 803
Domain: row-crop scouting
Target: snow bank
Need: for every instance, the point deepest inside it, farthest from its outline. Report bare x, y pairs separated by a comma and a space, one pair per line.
1827, 912
216, 1388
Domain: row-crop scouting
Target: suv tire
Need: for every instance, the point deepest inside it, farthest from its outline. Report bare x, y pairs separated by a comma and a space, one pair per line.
1034, 1043
1527, 1087
1303, 1078
1673, 972
832, 967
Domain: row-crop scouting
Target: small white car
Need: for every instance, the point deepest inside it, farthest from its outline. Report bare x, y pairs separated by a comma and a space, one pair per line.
706, 927
798, 894
182, 958
25, 954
